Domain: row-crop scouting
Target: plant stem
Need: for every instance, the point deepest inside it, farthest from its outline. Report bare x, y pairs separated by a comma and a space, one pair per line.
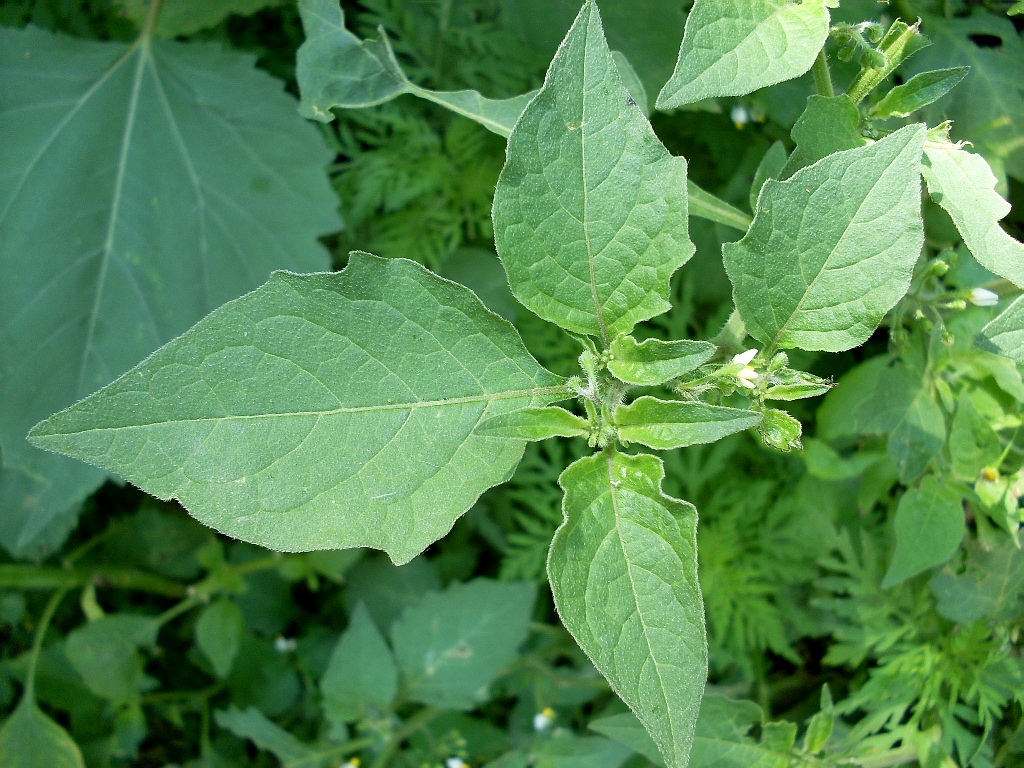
409, 727
900, 756
32, 577
37, 641
822, 76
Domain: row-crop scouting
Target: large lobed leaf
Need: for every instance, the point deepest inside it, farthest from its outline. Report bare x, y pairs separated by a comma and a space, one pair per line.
623, 571
733, 47
142, 186
320, 411
832, 249
590, 211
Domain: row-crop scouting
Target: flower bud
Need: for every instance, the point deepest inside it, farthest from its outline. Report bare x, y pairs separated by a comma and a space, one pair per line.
983, 297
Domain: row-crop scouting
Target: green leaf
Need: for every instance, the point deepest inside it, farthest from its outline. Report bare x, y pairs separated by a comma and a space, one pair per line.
779, 430
1005, 334
253, 725
106, 654
704, 205
454, 644
320, 411
973, 444
770, 167
667, 424
535, 424
652, 362
183, 17
929, 527
30, 739
731, 48
631, 82
590, 211
623, 572
361, 674
566, 750
789, 384
722, 739
991, 587
337, 70
962, 183
218, 634
140, 191
918, 92
832, 249
828, 124
627, 730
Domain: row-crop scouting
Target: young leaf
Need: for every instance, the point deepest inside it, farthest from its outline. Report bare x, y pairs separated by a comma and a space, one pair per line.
732, 48
336, 69
623, 571
218, 634
30, 739
827, 125
535, 424
253, 725
361, 673
652, 362
929, 527
320, 411
963, 184
832, 249
1005, 334
454, 644
590, 211
140, 191
779, 430
919, 91
667, 424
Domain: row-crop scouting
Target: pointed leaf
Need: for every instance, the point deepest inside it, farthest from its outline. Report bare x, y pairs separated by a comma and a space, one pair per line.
454, 644
963, 184
253, 725
733, 47
590, 211
919, 91
106, 653
1005, 334
361, 673
140, 190
653, 362
218, 634
779, 430
704, 205
336, 69
832, 249
664, 424
770, 167
623, 571
535, 424
30, 739
929, 527
320, 411
828, 124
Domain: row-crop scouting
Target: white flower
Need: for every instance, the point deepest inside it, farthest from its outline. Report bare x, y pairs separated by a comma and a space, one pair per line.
543, 719
285, 644
744, 358
983, 297
740, 116
455, 762
746, 376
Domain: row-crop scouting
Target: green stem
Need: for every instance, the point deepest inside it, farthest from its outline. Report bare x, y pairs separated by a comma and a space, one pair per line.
413, 724
822, 76
33, 577
155, 6
37, 642
174, 611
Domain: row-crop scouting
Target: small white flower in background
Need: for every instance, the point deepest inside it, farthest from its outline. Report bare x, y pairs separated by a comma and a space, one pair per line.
285, 644
740, 116
455, 762
353, 762
747, 375
543, 719
983, 297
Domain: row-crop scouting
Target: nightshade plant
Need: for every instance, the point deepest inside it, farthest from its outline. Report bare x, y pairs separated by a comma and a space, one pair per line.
372, 407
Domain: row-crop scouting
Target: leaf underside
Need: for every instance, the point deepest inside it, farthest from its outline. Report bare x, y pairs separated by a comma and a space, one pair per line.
590, 211
138, 194
320, 411
623, 571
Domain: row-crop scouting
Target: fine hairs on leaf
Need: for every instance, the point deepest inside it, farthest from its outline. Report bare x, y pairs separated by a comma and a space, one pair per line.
375, 406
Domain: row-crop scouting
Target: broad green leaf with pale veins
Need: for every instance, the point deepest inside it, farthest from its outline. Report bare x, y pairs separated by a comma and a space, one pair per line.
336, 69
832, 249
590, 210
733, 47
143, 186
963, 184
30, 739
623, 571
320, 411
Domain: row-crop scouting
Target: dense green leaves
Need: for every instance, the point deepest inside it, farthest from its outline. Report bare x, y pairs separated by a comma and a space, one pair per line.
664, 424
929, 527
30, 739
733, 47
590, 212
337, 70
623, 572
832, 249
454, 644
320, 411
139, 193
